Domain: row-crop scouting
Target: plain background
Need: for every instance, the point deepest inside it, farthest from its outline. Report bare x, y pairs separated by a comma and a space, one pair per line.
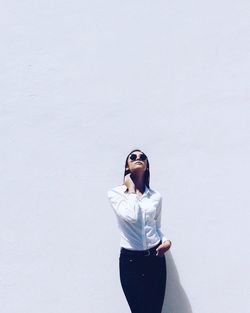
82, 84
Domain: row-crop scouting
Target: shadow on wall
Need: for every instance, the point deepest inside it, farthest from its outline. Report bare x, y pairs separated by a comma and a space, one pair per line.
176, 300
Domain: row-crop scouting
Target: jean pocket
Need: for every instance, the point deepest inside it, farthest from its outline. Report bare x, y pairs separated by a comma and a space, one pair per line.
127, 258
128, 261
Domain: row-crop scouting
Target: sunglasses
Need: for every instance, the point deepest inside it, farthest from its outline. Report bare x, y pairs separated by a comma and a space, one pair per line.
142, 157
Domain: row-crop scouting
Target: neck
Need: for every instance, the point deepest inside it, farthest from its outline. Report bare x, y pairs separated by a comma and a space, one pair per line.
139, 182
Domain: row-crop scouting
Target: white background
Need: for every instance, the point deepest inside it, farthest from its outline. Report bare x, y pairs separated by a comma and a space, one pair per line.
82, 83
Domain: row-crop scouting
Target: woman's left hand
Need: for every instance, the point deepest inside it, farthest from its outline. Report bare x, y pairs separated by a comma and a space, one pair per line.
163, 248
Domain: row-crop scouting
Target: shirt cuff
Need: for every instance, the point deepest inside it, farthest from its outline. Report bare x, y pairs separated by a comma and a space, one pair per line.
163, 239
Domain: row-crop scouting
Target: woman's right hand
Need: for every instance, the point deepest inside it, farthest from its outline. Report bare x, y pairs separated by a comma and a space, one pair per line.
129, 183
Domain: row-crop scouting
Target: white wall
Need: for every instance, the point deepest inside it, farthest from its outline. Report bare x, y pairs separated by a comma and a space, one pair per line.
83, 83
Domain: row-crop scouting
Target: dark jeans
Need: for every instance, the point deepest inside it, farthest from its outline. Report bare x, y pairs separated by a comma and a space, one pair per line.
143, 280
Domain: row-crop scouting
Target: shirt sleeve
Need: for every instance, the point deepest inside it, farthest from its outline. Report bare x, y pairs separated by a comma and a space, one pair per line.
125, 206
158, 222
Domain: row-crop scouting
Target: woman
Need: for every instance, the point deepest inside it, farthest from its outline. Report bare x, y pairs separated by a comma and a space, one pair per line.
142, 264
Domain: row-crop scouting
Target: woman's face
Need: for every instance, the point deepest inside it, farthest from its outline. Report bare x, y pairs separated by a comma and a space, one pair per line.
137, 165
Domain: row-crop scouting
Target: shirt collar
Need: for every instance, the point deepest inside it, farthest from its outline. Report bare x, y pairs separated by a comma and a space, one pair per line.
146, 191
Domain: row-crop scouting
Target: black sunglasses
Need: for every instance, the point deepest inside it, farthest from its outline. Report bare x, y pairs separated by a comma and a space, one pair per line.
142, 157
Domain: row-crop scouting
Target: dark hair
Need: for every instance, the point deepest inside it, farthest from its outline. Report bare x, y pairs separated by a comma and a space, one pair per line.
147, 172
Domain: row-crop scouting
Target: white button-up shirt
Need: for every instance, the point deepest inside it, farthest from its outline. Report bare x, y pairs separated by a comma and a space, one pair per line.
139, 218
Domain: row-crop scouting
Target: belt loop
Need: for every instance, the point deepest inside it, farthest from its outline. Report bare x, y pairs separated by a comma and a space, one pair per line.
148, 253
